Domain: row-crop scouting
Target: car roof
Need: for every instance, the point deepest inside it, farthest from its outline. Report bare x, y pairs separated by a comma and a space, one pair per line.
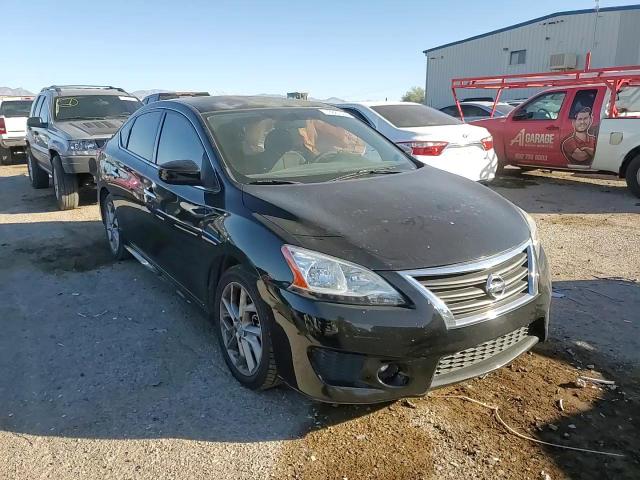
79, 90
375, 104
232, 102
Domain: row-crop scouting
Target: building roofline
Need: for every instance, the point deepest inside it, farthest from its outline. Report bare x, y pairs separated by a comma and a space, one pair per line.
535, 20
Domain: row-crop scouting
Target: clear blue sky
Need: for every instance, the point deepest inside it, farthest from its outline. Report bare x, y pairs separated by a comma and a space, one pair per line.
352, 49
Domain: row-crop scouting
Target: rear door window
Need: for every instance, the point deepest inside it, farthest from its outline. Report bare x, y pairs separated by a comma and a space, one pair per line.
179, 141
35, 109
474, 111
15, 108
583, 101
44, 111
452, 110
142, 138
409, 115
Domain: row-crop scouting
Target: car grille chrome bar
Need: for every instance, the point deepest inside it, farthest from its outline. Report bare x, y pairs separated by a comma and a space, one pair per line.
469, 293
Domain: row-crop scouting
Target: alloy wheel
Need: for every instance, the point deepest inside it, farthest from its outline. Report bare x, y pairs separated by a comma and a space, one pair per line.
112, 227
240, 328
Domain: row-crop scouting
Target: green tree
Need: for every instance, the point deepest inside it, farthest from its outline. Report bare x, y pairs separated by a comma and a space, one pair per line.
414, 94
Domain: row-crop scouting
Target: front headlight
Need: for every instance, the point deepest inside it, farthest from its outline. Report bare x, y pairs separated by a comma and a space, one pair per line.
335, 280
83, 147
533, 229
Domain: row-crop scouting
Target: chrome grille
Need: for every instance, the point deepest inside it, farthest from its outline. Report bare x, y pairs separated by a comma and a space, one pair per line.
479, 353
462, 294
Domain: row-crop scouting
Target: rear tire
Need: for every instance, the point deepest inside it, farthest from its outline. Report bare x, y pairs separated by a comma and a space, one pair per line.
632, 176
65, 186
256, 318
37, 176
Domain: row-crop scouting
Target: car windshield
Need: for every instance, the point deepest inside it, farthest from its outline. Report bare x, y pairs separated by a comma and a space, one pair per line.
15, 108
412, 115
84, 107
276, 145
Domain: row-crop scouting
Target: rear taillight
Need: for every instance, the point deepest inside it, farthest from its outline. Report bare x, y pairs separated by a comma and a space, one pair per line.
432, 149
487, 143
3, 126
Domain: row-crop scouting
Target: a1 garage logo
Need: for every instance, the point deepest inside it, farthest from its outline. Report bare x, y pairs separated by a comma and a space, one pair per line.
533, 139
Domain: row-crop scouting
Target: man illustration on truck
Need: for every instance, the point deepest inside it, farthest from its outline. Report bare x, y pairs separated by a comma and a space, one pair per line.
579, 147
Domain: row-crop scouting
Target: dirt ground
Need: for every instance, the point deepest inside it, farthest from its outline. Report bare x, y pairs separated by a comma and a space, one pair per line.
105, 372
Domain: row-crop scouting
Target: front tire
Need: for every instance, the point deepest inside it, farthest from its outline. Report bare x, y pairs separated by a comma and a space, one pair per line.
5, 156
243, 323
65, 186
37, 176
633, 176
112, 229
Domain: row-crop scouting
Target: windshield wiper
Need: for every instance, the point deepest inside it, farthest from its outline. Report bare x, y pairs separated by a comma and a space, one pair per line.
367, 171
273, 182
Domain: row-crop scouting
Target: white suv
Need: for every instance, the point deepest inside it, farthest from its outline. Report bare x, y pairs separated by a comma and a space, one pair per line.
13, 126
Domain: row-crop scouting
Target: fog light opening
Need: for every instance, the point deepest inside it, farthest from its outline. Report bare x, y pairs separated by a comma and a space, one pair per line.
391, 374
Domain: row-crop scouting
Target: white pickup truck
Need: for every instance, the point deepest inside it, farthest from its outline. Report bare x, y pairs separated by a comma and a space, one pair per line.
14, 112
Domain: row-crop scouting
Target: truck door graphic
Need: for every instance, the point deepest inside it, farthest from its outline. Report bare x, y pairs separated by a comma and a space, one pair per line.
579, 144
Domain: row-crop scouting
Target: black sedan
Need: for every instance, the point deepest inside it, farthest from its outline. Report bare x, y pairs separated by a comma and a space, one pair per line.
325, 255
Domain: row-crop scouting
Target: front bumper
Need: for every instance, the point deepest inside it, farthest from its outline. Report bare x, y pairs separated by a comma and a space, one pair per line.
334, 353
471, 162
10, 142
79, 164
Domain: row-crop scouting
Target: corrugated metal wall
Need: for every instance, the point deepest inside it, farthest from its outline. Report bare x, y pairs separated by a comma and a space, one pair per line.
617, 39
628, 50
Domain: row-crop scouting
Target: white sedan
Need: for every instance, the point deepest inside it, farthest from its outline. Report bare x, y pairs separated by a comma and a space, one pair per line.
433, 137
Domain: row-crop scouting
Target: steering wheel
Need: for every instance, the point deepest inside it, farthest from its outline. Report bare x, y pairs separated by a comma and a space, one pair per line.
325, 157
546, 113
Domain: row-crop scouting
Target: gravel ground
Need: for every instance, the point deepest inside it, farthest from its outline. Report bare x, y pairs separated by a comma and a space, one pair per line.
105, 372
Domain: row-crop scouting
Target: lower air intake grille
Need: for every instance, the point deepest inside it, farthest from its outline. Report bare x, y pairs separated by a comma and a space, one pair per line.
479, 353
338, 368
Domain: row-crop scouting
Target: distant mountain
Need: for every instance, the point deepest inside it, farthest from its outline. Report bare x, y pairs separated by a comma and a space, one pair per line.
14, 91
331, 100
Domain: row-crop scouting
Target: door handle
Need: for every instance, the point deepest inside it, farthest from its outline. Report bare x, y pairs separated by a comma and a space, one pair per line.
553, 127
148, 194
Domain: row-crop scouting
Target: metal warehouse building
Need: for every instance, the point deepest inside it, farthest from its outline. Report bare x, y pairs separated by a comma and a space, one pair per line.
554, 42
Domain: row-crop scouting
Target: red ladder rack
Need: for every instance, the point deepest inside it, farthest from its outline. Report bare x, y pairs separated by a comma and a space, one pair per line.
613, 77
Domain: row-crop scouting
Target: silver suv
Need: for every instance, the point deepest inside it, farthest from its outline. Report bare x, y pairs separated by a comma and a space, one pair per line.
67, 126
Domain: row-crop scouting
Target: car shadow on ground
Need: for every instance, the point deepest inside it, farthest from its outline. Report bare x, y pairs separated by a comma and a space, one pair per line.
32, 200
536, 192
96, 349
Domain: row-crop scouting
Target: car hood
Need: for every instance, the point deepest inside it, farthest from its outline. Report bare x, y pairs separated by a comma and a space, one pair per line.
454, 134
418, 219
81, 129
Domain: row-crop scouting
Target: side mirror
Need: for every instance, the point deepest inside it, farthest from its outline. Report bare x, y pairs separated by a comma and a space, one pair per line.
520, 115
35, 122
180, 172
